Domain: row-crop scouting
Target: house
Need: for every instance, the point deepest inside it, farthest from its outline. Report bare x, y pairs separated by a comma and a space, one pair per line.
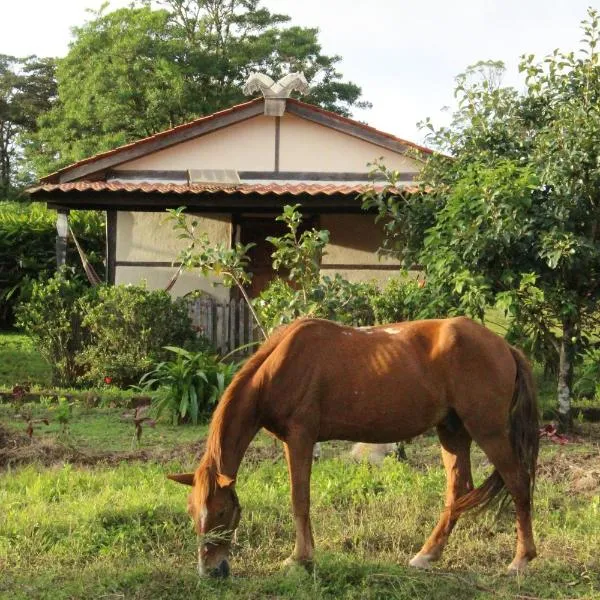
236, 169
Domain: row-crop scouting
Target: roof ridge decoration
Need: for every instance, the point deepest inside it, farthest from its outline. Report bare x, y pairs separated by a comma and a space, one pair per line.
275, 92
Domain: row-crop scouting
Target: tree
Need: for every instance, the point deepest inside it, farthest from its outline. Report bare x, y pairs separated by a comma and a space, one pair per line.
135, 71
510, 211
27, 89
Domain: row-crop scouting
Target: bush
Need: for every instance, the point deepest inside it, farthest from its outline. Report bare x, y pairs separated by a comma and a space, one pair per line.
587, 384
52, 318
406, 299
189, 385
28, 249
89, 334
334, 298
129, 327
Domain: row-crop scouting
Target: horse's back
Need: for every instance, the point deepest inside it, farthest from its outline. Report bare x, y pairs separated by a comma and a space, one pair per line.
382, 383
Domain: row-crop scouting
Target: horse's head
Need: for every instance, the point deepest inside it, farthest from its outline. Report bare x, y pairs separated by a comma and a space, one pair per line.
215, 510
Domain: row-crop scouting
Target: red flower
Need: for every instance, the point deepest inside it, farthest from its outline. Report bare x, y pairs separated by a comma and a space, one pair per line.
108, 380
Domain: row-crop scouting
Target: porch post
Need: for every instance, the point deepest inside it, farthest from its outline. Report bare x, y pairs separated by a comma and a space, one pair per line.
111, 246
62, 234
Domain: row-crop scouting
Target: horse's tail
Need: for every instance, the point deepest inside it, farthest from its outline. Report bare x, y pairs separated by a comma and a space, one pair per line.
524, 440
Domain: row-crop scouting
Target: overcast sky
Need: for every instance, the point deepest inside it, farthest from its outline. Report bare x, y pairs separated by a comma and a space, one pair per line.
404, 55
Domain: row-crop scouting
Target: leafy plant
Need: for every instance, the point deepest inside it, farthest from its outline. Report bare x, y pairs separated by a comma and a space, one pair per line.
140, 420
28, 249
52, 317
299, 254
215, 259
64, 413
128, 329
587, 384
188, 386
107, 333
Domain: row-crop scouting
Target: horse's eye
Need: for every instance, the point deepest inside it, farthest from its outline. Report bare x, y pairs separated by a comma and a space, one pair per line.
221, 513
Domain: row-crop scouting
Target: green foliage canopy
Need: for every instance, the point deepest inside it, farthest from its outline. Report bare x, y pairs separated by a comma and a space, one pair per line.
135, 71
511, 204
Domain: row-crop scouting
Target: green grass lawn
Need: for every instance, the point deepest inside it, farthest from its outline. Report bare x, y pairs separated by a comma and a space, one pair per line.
122, 532
90, 514
20, 362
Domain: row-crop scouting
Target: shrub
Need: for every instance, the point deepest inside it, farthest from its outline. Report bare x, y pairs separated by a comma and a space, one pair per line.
587, 384
347, 302
90, 334
334, 298
129, 327
28, 249
188, 386
406, 299
52, 318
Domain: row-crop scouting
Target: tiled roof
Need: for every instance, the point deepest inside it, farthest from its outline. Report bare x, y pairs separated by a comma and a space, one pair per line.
277, 189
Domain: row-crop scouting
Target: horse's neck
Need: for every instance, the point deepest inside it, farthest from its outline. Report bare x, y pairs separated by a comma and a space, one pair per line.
238, 424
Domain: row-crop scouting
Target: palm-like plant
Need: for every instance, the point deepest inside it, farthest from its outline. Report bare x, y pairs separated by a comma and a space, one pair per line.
188, 386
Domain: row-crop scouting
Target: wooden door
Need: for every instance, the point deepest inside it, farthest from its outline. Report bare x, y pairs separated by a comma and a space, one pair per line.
255, 229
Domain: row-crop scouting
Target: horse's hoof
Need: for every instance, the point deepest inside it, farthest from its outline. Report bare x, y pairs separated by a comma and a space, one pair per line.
293, 562
420, 561
518, 566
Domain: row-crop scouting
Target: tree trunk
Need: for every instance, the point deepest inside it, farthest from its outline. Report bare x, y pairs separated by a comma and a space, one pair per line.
565, 373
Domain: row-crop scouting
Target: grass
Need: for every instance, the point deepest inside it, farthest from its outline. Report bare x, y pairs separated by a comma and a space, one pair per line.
98, 429
118, 529
74, 532
20, 362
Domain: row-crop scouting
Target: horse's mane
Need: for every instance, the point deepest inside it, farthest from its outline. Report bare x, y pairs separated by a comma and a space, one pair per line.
210, 466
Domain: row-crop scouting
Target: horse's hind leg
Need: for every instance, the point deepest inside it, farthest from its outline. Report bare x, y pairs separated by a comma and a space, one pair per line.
456, 447
517, 481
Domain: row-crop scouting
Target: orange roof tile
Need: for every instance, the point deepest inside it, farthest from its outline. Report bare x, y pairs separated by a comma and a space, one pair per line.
277, 189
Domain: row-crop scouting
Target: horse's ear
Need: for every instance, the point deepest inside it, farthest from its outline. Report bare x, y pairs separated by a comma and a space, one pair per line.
224, 481
185, 478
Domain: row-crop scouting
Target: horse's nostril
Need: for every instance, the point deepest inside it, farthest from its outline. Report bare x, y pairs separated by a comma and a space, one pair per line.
222, 570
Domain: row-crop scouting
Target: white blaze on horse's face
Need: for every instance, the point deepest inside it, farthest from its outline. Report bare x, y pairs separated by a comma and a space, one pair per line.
215, 522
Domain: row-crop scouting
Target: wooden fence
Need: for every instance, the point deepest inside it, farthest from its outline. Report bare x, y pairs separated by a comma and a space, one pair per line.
227, 324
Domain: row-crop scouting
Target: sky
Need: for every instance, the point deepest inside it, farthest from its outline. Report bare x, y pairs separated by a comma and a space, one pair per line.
404, 55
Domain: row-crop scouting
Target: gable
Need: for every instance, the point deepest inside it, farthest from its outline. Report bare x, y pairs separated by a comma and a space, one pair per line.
308, 146
266, 144
245, 146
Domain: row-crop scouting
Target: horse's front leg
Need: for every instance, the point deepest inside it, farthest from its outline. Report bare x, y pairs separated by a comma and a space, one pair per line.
298, 453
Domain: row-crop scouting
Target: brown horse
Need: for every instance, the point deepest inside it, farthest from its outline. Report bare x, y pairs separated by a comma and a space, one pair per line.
315, 380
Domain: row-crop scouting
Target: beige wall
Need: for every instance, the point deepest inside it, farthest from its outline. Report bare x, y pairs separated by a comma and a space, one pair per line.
147, 237
245, 146
159, 277
354, 240
307, 146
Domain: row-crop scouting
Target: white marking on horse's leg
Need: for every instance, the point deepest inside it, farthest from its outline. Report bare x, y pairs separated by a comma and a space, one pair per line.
317, 451
421, 561
518, 565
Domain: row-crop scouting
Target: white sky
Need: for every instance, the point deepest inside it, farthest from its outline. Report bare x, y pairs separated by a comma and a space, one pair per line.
405, 55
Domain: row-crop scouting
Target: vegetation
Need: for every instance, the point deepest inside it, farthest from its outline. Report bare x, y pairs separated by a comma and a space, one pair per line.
72, 531
134, 71
27, 89
103, 334
511, 215
189, 386
300, 290
28, 249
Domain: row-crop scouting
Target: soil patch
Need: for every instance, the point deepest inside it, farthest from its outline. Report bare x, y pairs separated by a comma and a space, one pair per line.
17, 449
